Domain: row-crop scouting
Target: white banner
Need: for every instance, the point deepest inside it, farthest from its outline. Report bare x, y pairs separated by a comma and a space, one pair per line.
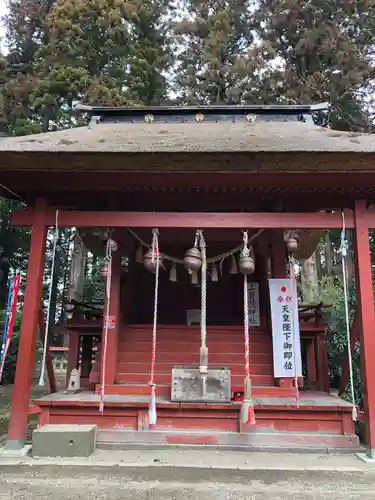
253, 300
285, 329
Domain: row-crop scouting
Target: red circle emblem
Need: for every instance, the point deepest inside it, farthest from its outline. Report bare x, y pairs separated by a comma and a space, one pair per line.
283, 289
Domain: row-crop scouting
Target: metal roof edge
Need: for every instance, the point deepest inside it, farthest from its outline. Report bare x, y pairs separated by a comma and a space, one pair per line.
224, 109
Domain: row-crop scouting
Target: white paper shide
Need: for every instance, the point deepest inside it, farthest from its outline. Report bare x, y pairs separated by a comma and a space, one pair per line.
285, 329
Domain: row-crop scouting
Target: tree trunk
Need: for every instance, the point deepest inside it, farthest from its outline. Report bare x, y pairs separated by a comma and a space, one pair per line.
54, 289
77, 268
310, 283
328, 253
349, 259
318, 261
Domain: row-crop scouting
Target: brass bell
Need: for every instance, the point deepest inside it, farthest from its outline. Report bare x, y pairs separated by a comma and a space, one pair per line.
104, 268
192, 260
113, 244
292, 243
150, 263
246, 264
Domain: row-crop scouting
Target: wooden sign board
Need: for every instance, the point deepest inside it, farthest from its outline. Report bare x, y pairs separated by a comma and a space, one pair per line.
253, 301
285, 329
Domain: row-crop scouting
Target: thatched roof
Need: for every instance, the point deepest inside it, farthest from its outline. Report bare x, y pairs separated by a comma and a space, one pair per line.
223, 136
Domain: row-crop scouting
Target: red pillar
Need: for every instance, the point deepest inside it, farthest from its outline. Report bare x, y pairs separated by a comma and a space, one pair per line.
26, 352
114, 312
365, 305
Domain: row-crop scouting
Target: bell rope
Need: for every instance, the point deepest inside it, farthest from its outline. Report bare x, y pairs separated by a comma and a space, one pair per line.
203, 351
108, 259
247, 415
152, 415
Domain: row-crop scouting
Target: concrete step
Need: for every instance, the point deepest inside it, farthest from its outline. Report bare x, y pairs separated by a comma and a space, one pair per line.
120, 439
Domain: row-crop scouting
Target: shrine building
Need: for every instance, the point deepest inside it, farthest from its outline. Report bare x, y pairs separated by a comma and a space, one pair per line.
201, 216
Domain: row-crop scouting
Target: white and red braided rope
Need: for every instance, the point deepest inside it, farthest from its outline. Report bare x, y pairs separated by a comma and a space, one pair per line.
152, 416
108, 259
247, 411
295, 297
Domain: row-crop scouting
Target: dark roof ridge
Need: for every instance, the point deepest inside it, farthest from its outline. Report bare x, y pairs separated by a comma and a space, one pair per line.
217, 108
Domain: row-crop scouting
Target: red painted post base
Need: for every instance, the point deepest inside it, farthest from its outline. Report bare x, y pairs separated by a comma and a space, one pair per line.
286, 383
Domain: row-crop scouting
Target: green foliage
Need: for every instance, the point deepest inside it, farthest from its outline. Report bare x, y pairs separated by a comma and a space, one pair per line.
331, 291
218, 61
337, 338
11, 358
94, 285
10, 362
87, 45
324, 51
150, 50
14, 245
101, 52
25, 33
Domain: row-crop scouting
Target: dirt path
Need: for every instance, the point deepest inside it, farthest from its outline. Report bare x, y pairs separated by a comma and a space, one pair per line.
116, 483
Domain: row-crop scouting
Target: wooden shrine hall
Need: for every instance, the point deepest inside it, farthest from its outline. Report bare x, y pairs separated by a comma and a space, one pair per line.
201, 216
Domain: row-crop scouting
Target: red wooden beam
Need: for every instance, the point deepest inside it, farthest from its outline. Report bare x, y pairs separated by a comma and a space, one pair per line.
28, 181
34, 409
354, 336
318, 220
49, 364
365, 304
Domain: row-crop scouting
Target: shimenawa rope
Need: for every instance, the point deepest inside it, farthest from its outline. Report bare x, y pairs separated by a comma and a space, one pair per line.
209, 260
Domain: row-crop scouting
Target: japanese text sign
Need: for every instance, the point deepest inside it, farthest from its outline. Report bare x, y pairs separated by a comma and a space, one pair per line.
285, 329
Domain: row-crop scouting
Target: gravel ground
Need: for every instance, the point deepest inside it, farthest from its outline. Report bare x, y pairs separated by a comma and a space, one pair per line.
153, 483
